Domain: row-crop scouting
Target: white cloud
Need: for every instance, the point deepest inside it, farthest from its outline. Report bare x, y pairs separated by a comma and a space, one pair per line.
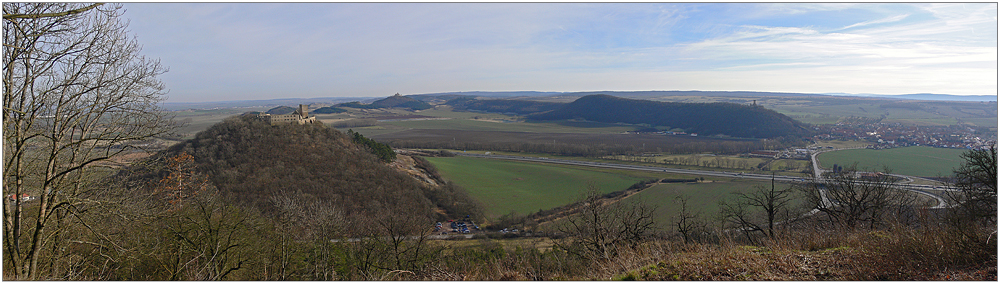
363, 49
879, 21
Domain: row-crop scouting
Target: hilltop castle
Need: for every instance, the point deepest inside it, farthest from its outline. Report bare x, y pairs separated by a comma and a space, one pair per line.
300, 116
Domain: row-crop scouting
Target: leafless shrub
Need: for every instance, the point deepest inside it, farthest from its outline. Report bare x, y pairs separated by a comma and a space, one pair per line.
601, 231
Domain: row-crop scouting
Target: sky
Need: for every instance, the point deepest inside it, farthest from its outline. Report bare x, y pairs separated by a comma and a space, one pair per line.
249, 51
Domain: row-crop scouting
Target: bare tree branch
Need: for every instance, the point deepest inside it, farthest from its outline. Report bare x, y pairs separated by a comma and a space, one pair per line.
49, 15
76, 92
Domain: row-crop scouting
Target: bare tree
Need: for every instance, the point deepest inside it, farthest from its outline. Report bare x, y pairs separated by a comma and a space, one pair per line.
768, 202
688, 223
390, 242
976, 181
305, 219
76, 92
853, 199
600, 230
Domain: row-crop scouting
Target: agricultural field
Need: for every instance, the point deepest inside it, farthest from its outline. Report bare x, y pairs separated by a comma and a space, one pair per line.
703, 198
523, 188
481, 125
921, 113
914, 161
837, 144
829, 109
193, 121
714, 162
779, 166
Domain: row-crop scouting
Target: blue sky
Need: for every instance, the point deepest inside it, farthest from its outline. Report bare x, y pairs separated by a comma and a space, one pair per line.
237, 51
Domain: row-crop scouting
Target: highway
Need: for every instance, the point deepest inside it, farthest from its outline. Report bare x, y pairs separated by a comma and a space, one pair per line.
917, 188
635, 167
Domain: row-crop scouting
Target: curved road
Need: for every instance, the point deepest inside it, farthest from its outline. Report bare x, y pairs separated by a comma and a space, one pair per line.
917, 188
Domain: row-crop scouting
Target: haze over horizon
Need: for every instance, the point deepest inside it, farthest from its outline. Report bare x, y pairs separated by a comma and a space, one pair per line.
253, 51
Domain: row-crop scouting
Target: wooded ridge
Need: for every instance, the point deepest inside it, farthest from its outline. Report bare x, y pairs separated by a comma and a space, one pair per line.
251, 162
707, 119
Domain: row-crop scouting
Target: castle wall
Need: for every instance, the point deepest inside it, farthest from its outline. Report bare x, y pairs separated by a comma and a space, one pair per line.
300, 116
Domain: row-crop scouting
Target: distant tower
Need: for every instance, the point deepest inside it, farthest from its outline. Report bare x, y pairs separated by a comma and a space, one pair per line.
754, 102
303, 110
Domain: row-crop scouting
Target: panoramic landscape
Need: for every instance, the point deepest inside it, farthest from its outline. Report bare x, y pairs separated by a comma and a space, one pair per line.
500, 141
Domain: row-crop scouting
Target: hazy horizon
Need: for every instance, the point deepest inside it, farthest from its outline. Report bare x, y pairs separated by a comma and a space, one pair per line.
257, 51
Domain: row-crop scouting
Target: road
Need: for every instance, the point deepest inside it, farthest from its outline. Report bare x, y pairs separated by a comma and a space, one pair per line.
635, 167
917, 188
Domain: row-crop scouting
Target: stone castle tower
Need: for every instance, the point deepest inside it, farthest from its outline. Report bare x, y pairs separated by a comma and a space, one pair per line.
303, 110
300, 116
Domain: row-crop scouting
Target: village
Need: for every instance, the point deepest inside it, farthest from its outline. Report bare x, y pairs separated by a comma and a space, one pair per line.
890, 135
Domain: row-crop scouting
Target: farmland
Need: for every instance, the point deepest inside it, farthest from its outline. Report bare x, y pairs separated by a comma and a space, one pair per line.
915, 161
789, 167
522, 194
829, 109
192, 121
523, 188
703, 198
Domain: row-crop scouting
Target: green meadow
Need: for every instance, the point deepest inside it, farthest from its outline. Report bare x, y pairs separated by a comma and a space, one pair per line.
914, 161
523, 188
702, 198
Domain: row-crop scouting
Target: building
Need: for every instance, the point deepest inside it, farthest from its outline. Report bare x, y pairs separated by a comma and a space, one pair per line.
300, 116
24, 197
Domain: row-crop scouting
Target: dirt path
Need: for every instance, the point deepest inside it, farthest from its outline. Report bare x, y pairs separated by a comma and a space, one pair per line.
571, 209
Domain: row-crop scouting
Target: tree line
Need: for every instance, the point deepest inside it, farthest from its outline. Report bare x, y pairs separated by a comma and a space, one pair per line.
382, 151
625, 146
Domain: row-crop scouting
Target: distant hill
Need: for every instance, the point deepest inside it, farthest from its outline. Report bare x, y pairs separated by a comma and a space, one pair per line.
502, 106
396, 101
281, 110
442, 97
923, 97
729, 119
254, 162
635, 94
260, 103
489, 94
327, 110
438, 99
939, 97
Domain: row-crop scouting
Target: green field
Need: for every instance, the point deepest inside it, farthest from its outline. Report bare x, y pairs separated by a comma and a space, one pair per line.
915, 161
520, 187
703, 198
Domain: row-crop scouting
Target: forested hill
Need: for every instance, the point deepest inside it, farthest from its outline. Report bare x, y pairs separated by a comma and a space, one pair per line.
730, 119
396, 101
253, 163
502, 106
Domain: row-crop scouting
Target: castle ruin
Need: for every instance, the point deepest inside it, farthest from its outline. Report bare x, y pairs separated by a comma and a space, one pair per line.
300, 116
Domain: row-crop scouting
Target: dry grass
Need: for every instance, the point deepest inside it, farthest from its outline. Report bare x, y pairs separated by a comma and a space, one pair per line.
896, 254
